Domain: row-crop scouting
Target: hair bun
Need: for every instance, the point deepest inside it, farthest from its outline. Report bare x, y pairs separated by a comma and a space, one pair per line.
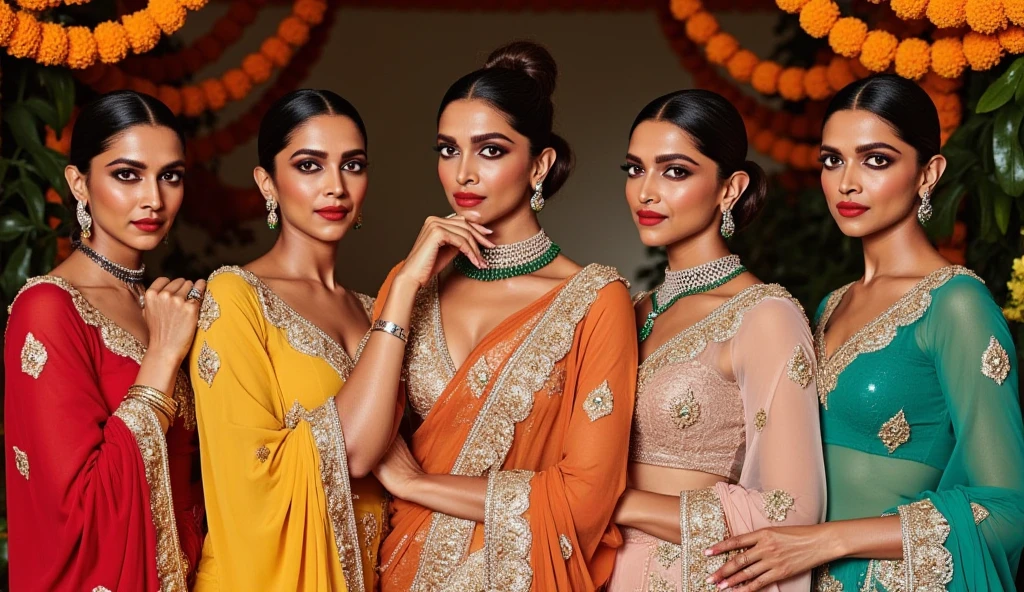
529, 58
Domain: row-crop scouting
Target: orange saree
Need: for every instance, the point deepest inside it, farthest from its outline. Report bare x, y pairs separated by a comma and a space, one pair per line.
542, 407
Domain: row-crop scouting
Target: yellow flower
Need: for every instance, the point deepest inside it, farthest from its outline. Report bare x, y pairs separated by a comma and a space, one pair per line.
982, 51
909, 10
948, 58
1012, 39
143, 31
818, 16
847, 36
27, 35
985, 16
791, 6
53, 47
720, 48
947, 14
1018, 263
684, 9
741, 65
168, 14
82, 50
878, 51
913, 57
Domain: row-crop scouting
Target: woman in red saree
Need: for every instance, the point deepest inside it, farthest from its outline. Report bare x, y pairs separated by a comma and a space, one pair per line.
521, 367
98, 497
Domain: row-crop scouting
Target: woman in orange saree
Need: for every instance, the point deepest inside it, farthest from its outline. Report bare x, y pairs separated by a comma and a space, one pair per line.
525, 390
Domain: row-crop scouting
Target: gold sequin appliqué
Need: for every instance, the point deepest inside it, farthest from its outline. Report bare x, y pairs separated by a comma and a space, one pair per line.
799, 369
262, 454
208, 363
980, 512
33, 356
507, 536
760, 419
878, 333
895, 432
656, 583
565, 546
209, 312
478, 377
599, 402
927, 565
824, 582
21, 461
777, 503
995, 363
702, 524
667, 554
369, 524
685, 410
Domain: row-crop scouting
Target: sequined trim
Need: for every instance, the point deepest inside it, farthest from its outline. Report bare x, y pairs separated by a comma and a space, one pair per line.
369, 524
599, 402
507, 536
21, 461
701, 524
478, 377
426, 370
509, 402
721, 325
118, 341
878, 333
799, 368
208, 363
777, 503
208, 312
656, 583
263, 453
824, 582
927, 566
325, 426
895, 432
760, 419
565, 546
33, 356
667, 554
980, 512
995, 363
367, 302
142, 421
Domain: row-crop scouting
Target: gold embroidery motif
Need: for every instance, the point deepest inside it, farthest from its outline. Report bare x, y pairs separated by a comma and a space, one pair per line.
995, 363
330, 443
100, 589
507, 536
149, 436
209, 312
878, 333
118, 341
685, 410
667, 554
208, 363
656, 583
702, 524
263, 453
824, 582
565, 545
33, 356
425, 369
760, 419
777, 503
556, 382
980, 512
367, 302
479, 375
895, 432
927, 565
799, 367
599, 402
369, 524
21, 461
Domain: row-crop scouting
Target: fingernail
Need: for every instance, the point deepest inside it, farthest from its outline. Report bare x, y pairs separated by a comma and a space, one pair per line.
708, 552
723, 585
710, 580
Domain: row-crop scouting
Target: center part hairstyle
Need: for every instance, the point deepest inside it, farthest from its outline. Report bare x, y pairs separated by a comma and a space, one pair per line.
717, 130
291, 112
518, 79
901, 103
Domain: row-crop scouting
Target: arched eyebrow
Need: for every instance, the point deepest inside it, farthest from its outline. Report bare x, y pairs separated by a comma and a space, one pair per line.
477, 139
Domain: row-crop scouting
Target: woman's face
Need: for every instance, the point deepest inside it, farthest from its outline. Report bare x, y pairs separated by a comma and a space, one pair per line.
673, 190
135, 187
871, 178
484, 165
320, 177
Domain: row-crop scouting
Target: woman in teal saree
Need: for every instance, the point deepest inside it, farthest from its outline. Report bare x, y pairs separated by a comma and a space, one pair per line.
917, 384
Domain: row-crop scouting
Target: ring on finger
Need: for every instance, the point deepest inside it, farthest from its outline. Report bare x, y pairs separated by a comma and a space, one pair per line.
194, 294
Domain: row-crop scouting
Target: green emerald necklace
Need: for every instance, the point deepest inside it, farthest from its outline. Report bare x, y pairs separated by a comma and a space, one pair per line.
513, 260
687, 282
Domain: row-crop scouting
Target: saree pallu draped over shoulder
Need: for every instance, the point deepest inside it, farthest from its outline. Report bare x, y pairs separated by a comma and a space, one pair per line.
542, 407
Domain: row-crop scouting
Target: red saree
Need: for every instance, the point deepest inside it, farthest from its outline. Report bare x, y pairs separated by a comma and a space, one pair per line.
89, 475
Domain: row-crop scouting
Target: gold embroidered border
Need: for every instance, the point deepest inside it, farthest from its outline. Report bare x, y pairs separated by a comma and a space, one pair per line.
171, 567
425, 372
509, 402
507, 536
701, 524
878, 333
927, 566
325, 425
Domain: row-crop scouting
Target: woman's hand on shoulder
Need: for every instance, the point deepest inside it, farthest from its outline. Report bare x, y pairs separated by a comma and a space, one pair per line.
439, 241
171, 312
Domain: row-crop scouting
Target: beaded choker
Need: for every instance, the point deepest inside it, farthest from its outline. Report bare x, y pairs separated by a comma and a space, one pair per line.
513, 260
687, 282
132, 277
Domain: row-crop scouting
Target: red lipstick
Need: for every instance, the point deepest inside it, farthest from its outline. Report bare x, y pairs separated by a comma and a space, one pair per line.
465, 199
851, 209
333, 213
148, 224
649, 218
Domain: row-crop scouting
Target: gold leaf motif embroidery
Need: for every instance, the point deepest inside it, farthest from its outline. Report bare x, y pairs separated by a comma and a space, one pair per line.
927, 565
556, 382
208, 363
701, 524
479, 375
263, 453
799, 367
995, 363
656, 583
507, 536
599, 402
685, 410
824, 582
21, 461
895, 432
777, 503
565, 545
760, 419
369, 524
209, 311
33, 356
980, 512
667, 554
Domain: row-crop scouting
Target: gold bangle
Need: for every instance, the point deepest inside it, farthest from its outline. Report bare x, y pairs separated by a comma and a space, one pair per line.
157, 404
156, 399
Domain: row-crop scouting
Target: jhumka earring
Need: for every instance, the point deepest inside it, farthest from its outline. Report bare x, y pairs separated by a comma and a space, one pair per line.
924, 213
272, 215
537, 199
728, 224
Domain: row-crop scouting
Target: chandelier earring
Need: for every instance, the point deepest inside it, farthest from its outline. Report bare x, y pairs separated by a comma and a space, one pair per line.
537, 199
359, 222
272, 218
924, 213
728, 224
84, 219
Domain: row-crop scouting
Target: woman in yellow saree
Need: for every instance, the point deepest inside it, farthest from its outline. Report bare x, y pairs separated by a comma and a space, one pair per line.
522, 370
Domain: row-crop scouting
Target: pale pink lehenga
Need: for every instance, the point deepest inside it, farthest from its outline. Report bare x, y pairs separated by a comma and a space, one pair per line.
756, 426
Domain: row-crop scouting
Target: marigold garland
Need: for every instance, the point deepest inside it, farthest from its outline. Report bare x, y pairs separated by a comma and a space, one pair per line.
985, 16
909, 10
1012, 39
913, 58
817, 17
982, 51
847, 36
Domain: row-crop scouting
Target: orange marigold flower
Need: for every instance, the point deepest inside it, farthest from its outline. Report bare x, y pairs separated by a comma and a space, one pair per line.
257, 67
684, 9
1014, 10
765, 77
913, 57
7, 22
781, 120
53, 47
818, 16
61, 144
168, 14
111, 42
798, 155
227, 31
310, 11
938, 83
143, 32
948, 58
839, 73
293, 31
38, 5
193, 102
847, 36
985, 16
194, 4
791, 6
142, 85
171, 97
741, 65
816, 83
950, 119
214, 92
878, 51
982, 51
237, 83
791, 84
1012, 39
277, 51
721, 47
701, 27
763, 141
781, 149
27, 35
909, 10
947, 13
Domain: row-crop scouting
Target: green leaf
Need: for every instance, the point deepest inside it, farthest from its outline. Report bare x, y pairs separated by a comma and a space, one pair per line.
17, 270
1003, 89
44, 111
946, 202
1001, 208
32, 195
1007, 153
46, 254
13, 225
61, 87
958, 162
24, 128
987, 191
51, 166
